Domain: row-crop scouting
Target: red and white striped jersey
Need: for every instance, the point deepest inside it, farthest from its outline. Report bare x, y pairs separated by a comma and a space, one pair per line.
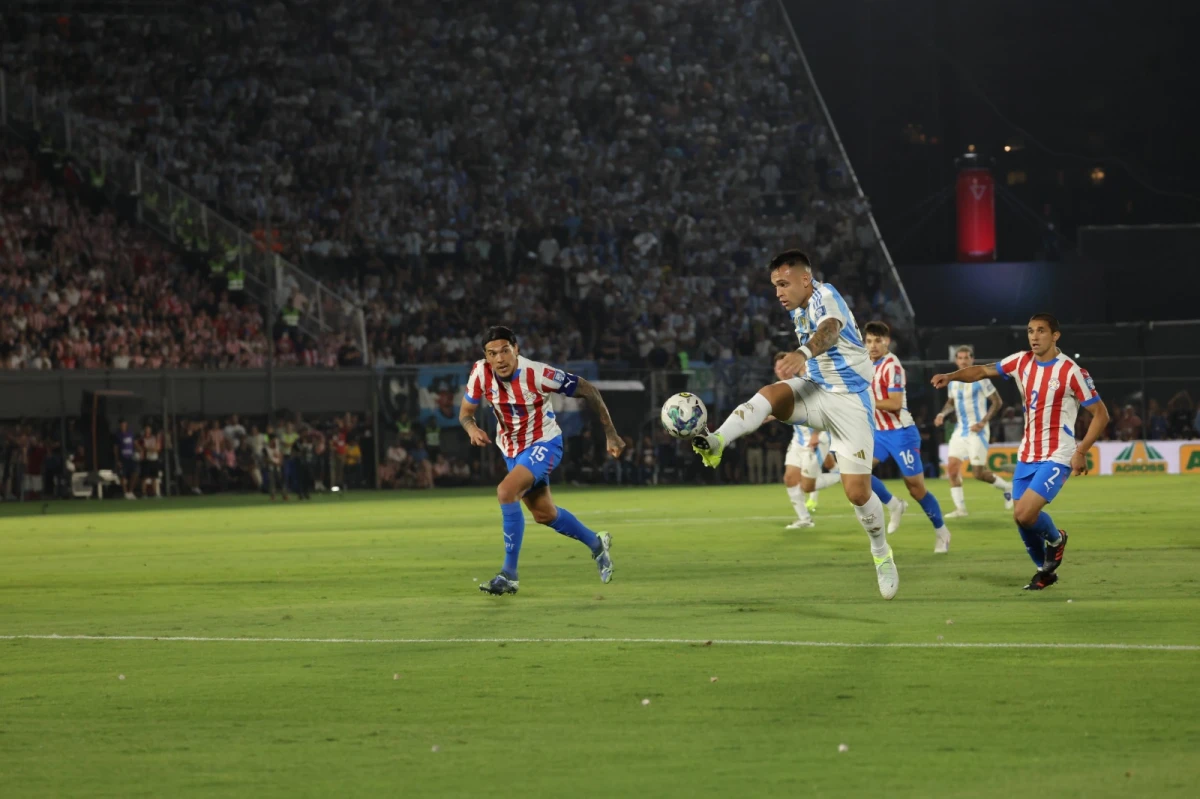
1053, 391
889, 379
523, 413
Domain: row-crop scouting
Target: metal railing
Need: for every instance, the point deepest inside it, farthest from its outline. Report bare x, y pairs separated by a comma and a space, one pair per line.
179, 216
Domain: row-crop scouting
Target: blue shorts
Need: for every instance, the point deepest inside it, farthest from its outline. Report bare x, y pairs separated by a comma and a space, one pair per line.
540, 459
1046, 479
902, 445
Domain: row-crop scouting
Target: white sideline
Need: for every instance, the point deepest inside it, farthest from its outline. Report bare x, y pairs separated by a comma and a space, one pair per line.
677, 641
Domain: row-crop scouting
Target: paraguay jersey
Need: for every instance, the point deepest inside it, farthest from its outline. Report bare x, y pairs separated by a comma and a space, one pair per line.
844, 368
971, 405
520, 402
1053, 391
890, 379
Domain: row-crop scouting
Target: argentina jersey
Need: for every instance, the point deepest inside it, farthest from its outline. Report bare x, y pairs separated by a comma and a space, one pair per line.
971, 404
804, 434
844, 368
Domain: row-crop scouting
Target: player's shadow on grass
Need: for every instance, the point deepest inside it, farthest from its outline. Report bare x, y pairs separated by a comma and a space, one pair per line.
1000, 580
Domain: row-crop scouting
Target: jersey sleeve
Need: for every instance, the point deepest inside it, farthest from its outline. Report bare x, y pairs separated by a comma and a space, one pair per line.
555, 381
899, 379
987, 388
826, 304
474, 392
1082, 386
1008, 367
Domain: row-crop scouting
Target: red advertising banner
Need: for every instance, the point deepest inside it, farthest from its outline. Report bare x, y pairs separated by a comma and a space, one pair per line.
976, 195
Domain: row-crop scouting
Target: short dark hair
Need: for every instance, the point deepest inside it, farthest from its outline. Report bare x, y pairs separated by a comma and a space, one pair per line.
878, 328
1048, 319
791, 257
499, 333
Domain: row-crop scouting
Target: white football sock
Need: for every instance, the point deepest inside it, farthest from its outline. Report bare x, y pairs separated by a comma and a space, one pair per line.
826, 480
999, 483
796, 495
746, 418
956, 493
870, 516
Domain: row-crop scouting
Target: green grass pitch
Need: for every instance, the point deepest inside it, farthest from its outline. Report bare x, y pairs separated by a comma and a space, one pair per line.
405, 703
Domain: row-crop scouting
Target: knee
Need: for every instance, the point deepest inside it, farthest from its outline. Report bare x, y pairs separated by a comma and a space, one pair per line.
808, 484
506, 494
543, 516
916, 490
791, 481
1025, 517
858, 494
982, 474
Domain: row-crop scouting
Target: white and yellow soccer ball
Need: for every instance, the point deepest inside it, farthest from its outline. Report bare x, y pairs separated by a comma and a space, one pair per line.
684, 416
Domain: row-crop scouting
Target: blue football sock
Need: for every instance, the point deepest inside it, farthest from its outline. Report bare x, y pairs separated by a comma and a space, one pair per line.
568, 525
880, 490
932, 509
1044, 526
1034, 545
514, 534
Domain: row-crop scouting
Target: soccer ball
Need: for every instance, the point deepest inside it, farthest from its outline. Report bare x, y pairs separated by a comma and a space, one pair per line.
684, 416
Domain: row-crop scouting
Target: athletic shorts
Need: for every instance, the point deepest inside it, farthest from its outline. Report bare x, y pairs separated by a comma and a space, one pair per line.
805, 459
1045, 479
902, 445
129, 467
540, 459
972, 447
848, 418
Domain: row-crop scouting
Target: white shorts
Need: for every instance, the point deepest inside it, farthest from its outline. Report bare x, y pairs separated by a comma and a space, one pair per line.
805, 459
848, 418
972, 448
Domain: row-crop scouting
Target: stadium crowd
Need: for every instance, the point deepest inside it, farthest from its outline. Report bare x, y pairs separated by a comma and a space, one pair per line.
622, 169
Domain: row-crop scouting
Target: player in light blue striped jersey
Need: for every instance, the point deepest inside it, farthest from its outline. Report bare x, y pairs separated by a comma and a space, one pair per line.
975, 405
807, 452
828, 388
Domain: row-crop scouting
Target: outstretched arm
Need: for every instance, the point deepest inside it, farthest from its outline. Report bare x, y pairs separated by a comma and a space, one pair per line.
591, 395
972, 374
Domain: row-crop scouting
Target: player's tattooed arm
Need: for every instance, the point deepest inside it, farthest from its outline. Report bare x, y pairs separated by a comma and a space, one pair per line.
466, 418
591, 395
972, 374
824, 337
947, 411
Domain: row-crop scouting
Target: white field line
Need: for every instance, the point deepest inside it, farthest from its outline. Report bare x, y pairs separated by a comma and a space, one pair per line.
668, 641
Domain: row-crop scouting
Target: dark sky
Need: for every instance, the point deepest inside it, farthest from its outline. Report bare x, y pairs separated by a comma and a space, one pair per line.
1096, 83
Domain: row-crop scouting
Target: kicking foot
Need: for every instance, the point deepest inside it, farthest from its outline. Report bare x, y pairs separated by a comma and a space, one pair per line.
895, 514
811, 504
889, 578
1008, 500
500, 584
709, 446
603, 559
800, 524
957, 513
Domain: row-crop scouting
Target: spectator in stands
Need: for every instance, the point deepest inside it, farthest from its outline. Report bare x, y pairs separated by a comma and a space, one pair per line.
1129, 424
1179, 415
275, 479
1158, 427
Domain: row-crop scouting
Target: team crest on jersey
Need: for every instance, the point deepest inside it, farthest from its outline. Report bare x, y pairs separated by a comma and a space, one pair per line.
557, 375
1054, 384
1087, 378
